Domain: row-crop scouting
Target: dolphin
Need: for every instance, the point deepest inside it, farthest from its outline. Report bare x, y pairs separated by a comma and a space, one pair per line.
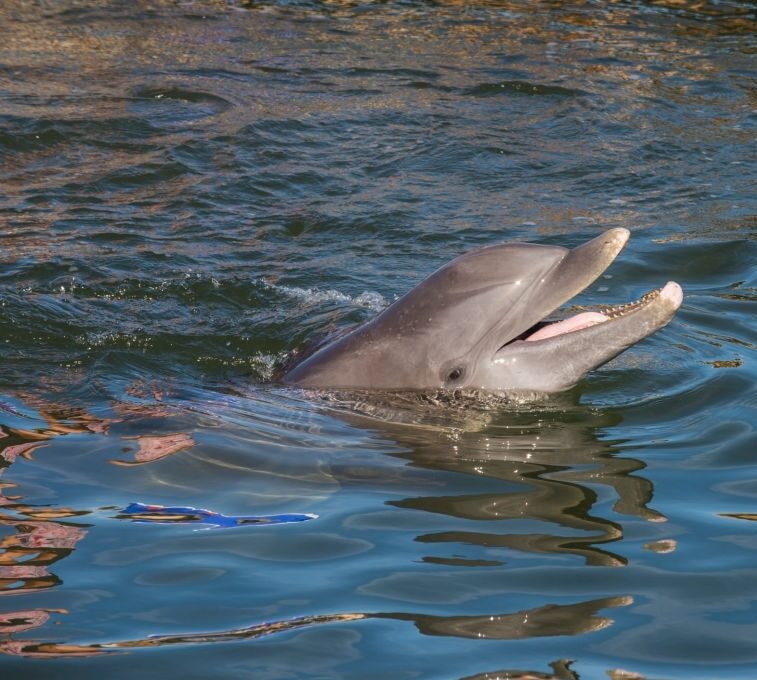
477, 323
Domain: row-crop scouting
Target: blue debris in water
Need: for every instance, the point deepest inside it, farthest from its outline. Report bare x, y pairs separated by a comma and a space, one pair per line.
141, 512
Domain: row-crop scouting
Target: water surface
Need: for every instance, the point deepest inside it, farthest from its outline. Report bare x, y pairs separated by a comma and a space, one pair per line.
190, 190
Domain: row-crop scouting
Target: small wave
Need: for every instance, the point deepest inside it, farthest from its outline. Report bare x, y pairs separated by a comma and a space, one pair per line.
172, 105
367, 299
521, 87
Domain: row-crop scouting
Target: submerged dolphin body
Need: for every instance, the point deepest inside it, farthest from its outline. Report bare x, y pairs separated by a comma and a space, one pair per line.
476, 323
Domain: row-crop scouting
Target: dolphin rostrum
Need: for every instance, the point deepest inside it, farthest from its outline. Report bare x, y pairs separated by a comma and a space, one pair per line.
477, 324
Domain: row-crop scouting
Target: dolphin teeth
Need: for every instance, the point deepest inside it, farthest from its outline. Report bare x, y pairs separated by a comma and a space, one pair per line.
620, 310
617, 311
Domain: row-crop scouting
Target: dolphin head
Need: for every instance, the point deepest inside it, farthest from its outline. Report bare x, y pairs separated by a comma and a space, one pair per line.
477, 323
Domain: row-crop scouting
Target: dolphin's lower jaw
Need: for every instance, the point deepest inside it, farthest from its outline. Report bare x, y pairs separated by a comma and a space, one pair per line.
545, 360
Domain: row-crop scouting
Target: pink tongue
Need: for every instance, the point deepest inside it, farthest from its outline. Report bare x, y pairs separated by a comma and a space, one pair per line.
574, 323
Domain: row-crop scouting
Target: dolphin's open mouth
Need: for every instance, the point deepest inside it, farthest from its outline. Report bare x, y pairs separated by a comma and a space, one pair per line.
549, 329
549, 356
577, 270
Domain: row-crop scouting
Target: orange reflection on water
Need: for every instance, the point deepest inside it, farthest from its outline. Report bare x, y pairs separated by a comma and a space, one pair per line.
20, 621
25, 556
152, 448
38, 538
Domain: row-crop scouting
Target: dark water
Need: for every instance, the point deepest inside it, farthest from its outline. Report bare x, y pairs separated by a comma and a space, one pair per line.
189, 190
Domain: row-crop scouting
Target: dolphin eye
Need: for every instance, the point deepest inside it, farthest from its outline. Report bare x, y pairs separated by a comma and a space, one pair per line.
455, 374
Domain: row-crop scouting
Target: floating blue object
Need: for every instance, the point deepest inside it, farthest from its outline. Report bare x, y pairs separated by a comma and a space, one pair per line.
141, 512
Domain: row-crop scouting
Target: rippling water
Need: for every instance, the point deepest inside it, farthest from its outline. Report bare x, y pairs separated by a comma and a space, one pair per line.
190, 190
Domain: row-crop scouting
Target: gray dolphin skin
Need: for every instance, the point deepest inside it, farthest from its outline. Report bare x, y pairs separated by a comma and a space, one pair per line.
476, 324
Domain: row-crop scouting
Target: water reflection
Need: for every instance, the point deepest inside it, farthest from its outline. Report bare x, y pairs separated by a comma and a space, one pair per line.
561, 671
38, 537
37, 649
546, 459
574, 619
549, 460
156, 447
24, 620
549, 620
160, 514
61, 419
36, 545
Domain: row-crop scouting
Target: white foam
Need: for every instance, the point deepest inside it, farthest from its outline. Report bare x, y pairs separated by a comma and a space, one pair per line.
367, 299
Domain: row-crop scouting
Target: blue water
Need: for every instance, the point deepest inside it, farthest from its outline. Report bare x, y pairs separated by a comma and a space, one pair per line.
191, 190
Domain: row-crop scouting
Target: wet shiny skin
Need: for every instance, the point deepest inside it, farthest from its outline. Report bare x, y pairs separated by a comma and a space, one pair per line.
190, 191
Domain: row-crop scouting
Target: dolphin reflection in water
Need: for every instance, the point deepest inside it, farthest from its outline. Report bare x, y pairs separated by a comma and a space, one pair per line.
478, 323
548, 460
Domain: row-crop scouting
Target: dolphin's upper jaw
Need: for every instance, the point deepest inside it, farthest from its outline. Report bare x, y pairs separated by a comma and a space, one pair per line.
547, 289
